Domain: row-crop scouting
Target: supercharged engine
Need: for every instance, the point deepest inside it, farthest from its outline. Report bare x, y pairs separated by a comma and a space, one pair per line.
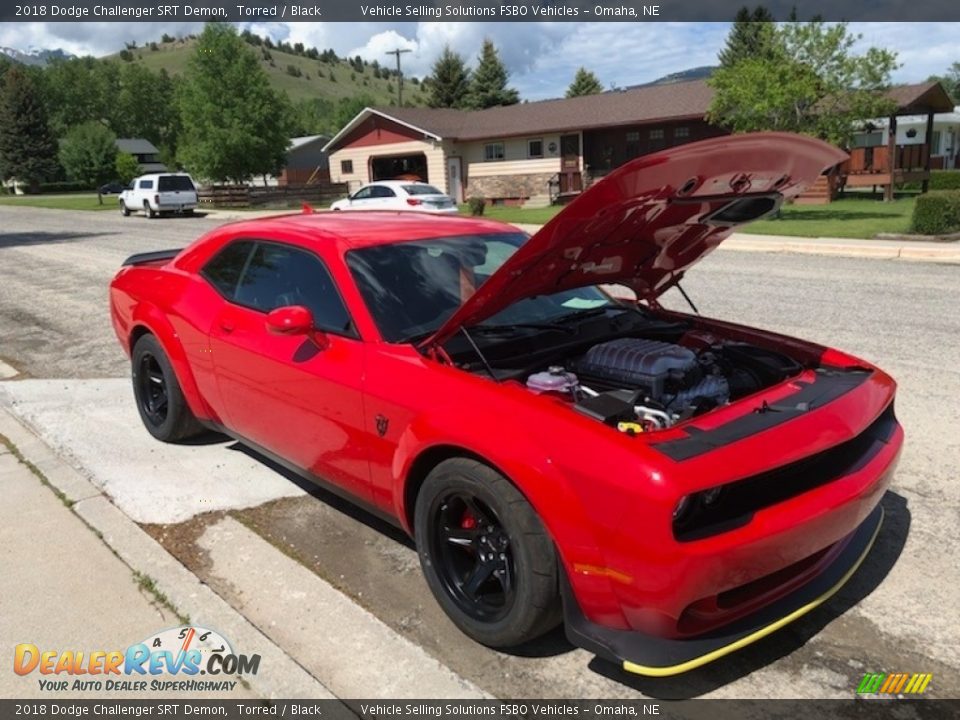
640, 384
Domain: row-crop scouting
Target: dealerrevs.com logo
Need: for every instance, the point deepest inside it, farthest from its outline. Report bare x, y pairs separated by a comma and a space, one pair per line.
171, 660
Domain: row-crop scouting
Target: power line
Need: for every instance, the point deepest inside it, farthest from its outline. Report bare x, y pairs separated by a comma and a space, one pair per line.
398, 52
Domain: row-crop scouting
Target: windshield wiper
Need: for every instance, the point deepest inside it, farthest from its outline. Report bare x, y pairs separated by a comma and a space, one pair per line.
587, 313
511, 327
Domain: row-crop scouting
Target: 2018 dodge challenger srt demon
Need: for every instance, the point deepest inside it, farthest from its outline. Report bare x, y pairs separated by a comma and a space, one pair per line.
671, 487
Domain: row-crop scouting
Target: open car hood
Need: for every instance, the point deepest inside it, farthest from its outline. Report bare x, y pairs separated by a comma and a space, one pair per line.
647, 222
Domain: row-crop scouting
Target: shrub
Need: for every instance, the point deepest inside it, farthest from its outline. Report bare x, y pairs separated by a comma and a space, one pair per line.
477, 205
937, 213
945, 179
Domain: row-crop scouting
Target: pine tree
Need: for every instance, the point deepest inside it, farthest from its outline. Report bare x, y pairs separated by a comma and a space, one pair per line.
750, 36
584, 83
488, 86
449, 81
28, 149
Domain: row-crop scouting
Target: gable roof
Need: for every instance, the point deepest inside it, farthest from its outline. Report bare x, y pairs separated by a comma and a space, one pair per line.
136, 146
299, 142
668, 102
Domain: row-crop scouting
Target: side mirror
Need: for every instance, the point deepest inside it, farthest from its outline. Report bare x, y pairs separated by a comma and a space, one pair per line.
290, 320
295, 320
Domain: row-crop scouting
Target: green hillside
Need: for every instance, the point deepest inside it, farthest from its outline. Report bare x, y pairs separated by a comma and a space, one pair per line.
313, 82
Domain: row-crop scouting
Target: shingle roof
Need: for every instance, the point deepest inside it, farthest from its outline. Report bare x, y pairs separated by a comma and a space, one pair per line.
136, 146
647, 104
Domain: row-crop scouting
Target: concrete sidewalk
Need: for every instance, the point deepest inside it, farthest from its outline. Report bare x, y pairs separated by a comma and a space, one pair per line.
913, 250
68, 583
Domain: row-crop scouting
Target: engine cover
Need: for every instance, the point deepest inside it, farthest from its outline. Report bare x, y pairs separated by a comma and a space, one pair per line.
657, 368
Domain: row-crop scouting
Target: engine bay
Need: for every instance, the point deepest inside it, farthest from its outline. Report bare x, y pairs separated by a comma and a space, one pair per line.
641, 385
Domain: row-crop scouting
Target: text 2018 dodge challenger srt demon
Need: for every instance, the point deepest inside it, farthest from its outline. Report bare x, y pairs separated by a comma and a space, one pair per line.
670, 487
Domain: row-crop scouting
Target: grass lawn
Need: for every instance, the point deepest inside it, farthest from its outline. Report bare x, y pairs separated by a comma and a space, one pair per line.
846, 217
62, 202
852, 216
535, 216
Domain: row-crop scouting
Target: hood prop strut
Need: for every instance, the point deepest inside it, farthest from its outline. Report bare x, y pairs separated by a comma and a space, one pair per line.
476, 349
687, 298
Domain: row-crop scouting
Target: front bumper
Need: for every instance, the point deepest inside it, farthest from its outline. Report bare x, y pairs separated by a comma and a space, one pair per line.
660, 657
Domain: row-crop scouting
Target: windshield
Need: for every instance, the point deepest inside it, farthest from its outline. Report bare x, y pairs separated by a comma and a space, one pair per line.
421, 190
169, 183
411, 288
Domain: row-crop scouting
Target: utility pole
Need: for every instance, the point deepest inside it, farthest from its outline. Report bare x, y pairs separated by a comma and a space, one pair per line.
398, 52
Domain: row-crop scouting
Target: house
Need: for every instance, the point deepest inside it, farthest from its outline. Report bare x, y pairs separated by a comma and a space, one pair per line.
548, 150
144, 151
911, 129
307, 161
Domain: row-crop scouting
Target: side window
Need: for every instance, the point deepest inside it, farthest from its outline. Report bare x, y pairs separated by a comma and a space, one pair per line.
279, 275
363, 193
382, 191
146, 184
224, 269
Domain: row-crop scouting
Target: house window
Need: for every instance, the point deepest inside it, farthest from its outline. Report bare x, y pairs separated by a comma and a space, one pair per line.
346, 167
681, 132
535, 148
656, 134
633, 136
493, 151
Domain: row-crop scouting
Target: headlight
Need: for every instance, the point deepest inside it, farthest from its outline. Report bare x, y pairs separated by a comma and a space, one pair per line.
683, 508
710, 496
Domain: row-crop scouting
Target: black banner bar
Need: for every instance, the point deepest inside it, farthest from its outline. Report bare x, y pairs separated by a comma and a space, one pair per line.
470, 11
853, 709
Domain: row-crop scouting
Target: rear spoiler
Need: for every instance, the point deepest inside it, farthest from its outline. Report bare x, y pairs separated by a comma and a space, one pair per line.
151, 257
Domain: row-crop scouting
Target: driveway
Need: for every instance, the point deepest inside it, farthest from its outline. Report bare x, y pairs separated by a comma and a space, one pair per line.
895, 615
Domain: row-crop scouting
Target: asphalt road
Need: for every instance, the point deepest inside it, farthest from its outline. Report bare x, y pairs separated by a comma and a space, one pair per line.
897, 614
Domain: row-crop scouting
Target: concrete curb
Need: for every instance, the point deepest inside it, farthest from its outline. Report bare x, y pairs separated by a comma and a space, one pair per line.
284, 679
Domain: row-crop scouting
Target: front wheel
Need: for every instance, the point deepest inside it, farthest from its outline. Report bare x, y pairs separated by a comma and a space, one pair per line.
163, 409
124, 210
485, 554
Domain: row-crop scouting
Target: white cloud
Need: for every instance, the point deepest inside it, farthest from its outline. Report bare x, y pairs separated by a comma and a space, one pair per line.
541, 57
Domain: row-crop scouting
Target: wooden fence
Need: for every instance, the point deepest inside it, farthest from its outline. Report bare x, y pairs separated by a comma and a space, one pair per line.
317, 195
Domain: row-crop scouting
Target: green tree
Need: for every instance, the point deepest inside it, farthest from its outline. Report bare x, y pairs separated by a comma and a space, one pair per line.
234, 126
951, 81
88, 153
751, 35
449, 80
126, 167
584, 83
28, 148
348, 108
488, 86
810, 81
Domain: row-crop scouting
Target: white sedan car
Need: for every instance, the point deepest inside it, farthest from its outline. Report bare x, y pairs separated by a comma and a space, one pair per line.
398, 195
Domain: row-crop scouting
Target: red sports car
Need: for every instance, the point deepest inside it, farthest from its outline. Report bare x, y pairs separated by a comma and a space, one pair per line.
669, 486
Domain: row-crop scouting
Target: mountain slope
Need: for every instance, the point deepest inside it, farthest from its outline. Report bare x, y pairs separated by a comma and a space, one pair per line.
314, 79
34, 56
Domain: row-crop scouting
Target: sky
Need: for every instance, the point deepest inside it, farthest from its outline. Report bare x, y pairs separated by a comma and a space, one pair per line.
541, 57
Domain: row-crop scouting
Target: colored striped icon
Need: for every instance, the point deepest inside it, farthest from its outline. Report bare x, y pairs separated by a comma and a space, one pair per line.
894, 683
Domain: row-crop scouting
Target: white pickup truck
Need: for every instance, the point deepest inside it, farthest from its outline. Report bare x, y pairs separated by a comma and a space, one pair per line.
159, 193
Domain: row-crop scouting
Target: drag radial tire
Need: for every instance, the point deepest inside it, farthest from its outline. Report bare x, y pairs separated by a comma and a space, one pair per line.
160, 400
486, 556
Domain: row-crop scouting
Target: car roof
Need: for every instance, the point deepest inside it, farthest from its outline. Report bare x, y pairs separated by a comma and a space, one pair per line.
396, 183
366, 228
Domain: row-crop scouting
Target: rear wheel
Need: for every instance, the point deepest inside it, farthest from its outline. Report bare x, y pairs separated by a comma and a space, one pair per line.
124, 210
147, 210
163, 409
485, 554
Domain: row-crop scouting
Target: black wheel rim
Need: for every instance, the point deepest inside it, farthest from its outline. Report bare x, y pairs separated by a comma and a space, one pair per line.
152, 389
473, 556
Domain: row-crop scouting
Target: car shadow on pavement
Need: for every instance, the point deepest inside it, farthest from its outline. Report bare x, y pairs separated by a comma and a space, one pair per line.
20, 239
877, 565
338, 503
